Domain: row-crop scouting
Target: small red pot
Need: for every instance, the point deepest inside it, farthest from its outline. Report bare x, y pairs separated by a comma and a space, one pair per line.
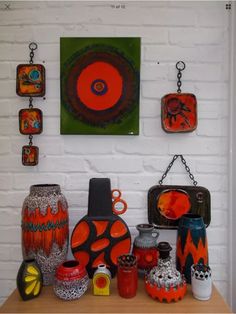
71, 280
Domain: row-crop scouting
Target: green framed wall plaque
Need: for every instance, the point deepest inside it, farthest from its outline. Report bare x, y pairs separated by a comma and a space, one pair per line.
100, 81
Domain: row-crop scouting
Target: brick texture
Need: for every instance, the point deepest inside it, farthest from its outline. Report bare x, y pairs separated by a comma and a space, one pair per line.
192, 31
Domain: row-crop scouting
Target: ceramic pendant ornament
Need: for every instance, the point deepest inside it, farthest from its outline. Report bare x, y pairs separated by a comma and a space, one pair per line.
30, 82
179, 110
30, 79
30, 155
30, 121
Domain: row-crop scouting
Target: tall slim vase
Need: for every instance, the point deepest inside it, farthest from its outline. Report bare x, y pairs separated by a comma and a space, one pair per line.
191, 247
45, 228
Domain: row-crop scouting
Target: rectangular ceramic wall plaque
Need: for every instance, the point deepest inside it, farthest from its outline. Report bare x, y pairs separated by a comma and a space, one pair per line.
100, 80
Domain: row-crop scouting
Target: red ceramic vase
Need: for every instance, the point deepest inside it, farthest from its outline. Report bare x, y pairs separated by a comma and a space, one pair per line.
127, 276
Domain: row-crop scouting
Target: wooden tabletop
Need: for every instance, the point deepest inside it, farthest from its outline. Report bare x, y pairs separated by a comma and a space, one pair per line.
47, 302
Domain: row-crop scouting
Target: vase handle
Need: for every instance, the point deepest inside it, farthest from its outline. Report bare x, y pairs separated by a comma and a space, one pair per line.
155, 233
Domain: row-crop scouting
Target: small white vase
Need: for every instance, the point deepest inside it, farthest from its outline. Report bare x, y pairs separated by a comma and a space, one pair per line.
201, 282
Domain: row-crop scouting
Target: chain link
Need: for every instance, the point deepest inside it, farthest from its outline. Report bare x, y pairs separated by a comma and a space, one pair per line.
30, 140
31, 102
191, 176
32, 47
180, 66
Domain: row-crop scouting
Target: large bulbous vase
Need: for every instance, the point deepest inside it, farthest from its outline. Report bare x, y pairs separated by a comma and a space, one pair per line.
45, 228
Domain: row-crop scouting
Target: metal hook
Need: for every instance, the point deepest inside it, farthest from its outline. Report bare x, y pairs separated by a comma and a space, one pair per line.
33, 46
180, 65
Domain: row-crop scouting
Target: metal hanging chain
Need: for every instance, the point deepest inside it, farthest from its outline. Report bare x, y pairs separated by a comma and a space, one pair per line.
180, 66
31, 102
32, 47
191, 176
30, 140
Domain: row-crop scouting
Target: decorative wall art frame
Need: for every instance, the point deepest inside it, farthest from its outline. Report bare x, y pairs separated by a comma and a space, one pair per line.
30, 82
100, 80
168, 203
179, 110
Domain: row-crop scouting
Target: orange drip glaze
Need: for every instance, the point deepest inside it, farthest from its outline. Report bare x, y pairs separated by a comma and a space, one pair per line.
197, 252
35, 240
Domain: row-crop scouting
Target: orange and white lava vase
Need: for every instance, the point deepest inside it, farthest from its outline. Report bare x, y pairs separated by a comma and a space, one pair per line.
164, 282
45, 228
191, 246
145, 247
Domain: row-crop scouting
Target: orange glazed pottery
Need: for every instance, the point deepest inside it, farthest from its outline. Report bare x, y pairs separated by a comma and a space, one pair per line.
45, 228
101, 236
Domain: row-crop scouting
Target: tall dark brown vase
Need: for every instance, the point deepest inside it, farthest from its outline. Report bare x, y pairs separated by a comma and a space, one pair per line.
191, 247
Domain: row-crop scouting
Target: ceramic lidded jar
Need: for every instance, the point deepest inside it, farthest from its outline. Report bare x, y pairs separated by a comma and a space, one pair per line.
71, 280
45, 228
164, 282
145, 247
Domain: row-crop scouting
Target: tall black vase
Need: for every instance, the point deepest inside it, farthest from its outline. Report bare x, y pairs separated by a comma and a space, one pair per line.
191, 247
29, 280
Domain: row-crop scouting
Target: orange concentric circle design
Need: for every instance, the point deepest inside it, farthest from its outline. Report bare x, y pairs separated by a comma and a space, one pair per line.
99, 86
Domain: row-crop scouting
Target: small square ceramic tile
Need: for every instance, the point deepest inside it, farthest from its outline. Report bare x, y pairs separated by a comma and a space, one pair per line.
30, 80
179, 112
30, 155
30, 121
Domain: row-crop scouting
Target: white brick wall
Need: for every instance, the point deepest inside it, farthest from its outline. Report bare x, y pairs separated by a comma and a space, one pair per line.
195, 32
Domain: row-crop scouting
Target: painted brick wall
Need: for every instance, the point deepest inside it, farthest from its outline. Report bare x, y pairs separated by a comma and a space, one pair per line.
195, 32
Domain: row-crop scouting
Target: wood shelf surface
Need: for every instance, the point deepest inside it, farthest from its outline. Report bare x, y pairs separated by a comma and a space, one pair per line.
47, 302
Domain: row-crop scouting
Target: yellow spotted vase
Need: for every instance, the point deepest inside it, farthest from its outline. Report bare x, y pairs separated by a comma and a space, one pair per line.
29, 280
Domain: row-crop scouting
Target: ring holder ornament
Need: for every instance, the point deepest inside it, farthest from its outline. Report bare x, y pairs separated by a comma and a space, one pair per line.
179, 110
168, 203
30, 82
